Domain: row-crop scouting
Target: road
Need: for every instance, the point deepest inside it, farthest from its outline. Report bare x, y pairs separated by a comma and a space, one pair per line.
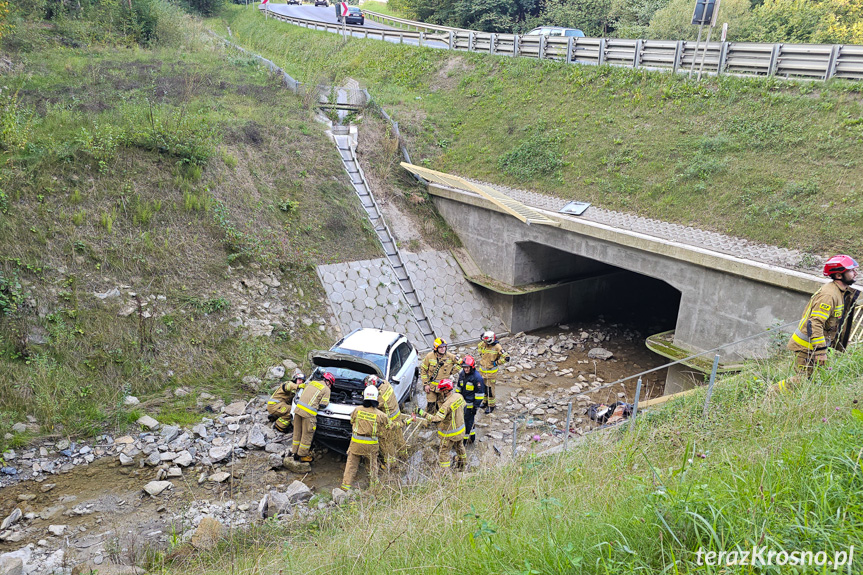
327, 15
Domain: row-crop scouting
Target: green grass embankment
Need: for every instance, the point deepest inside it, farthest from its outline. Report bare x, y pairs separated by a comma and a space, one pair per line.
764, 159
175, 171
782, 473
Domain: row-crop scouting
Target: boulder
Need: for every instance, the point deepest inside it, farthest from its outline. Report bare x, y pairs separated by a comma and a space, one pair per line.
275, 461
11, 565
131, 401
220, 453
19, 428
235, 409
600, 353
298, 492
256, 437
295, 466
219, 477
339, 496
156, 487
184, 459
125, 460
276, 372
148, 422
169, 433
11, 520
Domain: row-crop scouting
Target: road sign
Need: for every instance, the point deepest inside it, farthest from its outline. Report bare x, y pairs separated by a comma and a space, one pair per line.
703, 13
343, 6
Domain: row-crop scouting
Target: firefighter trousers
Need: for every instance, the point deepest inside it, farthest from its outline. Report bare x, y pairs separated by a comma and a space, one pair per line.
490, 381
446, 446
393, 446
304, 433
469, 414
355, 453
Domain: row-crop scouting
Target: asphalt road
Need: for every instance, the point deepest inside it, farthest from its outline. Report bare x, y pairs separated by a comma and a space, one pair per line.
328, 15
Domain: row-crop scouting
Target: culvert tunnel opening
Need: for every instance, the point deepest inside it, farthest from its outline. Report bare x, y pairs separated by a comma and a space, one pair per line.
622, 306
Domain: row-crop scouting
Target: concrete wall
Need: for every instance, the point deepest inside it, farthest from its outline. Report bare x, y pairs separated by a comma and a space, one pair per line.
715, 308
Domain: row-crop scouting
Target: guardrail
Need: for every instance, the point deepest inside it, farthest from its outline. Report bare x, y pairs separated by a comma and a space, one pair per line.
800, 61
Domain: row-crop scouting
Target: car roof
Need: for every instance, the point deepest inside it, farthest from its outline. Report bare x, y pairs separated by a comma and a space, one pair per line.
369, 340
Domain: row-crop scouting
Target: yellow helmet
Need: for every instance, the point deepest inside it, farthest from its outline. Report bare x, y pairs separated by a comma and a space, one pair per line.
439, 342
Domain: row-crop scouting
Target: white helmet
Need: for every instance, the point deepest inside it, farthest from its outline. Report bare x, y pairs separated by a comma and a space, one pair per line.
488, 337
370, 393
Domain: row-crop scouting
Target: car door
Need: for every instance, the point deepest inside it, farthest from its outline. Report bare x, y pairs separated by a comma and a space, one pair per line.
404, 370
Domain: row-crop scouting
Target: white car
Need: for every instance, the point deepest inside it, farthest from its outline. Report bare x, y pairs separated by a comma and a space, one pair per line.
363, 352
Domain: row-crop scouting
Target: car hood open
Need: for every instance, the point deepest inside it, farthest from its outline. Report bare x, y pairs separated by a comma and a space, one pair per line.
325, 359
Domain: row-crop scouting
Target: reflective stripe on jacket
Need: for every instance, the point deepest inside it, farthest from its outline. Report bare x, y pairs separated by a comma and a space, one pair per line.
367, 424
315, 396
450, 417
490, 356
819, 325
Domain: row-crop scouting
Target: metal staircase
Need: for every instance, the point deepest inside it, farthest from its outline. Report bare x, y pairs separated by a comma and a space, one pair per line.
358, 179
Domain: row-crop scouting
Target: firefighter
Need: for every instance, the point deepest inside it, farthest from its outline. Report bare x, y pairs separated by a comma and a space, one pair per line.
279, 405
436, 366
393, 437
491, 357
826, 320
316, 395
450, 420
472, 388
367, 424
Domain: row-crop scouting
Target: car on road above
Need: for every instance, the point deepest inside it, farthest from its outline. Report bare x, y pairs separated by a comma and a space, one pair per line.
322, 3
363, 352
355, 15
556, 31
297, 2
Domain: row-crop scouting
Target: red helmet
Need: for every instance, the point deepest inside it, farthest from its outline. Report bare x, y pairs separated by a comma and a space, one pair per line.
468, 361
445, 385
330, 378
839, 264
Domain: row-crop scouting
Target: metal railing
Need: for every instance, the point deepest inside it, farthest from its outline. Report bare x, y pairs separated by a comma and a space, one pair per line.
800, 61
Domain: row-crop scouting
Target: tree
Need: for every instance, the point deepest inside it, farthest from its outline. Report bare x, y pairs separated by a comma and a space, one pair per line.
494, 15
632, 17
804, 21
674, 21
593, 17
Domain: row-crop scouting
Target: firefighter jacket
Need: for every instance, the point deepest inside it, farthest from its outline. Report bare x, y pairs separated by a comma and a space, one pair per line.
819, 326
367, 425
450, 418
388, 402
491, 356
434, 368
471, 387
315, 396
282, 397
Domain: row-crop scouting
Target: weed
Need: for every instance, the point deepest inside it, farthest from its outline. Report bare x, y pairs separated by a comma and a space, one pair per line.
289, 206
538, 155
107, 219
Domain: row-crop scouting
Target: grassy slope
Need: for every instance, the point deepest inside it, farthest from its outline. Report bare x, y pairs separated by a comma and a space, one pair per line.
782, 472
772, 161
118, 181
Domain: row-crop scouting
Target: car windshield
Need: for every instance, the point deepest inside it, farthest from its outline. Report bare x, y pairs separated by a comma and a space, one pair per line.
354, 10
379, 360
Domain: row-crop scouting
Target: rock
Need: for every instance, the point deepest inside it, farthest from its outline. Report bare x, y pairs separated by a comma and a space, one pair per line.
131, 401
156, 487
110, 294
599, 353
219, 477
154, 459
184, 459
8, 471
251, 381
275, 448
125, 440
161, 474
276, 372
169, 433
11, 520
256, 437
200, 430
289, 365
148, 422
11, 565
99, 568
295, 466
339, 496
19, 428
207, 534
235, 409
220, 453
275, 461
298, 491
181, 392
54, 562
538, 411
273, 504
51, 512
57, 530
62, 444
125, 460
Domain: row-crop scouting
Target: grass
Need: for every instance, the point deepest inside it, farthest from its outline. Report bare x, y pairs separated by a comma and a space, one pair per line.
727, 154
160, 169
382, 8
782, 472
